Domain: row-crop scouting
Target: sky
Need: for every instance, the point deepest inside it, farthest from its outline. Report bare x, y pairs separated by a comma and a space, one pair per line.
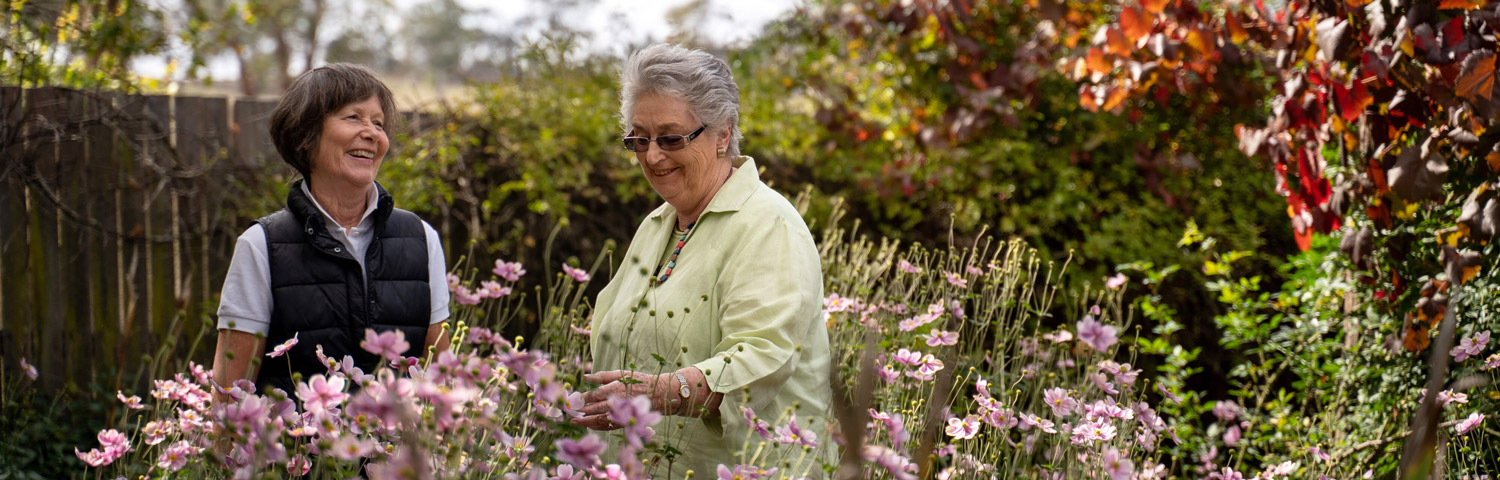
613, 24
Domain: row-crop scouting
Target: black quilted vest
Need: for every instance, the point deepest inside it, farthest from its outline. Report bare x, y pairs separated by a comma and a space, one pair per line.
318, 292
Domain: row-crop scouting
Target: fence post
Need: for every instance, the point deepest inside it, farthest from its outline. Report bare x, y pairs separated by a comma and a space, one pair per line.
12, 238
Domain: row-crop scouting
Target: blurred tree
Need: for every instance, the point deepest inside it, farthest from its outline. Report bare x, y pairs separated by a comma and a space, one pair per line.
687, 22
77, 42
438, 36
450, 41
264, 37
371, 46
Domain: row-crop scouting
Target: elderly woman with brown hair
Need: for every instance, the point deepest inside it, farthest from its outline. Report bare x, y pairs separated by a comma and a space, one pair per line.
340, 258
715, 314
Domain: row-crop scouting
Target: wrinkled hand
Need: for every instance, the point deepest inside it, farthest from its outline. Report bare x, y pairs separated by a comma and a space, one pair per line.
622, 383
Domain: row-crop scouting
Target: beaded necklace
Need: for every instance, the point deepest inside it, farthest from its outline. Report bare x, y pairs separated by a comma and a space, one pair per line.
672, 262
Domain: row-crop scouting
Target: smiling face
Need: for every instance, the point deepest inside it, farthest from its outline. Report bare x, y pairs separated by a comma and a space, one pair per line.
351, 146
689, 177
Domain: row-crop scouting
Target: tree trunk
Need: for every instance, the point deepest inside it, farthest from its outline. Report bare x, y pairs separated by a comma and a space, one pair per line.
247, 79
283, 59
314, 21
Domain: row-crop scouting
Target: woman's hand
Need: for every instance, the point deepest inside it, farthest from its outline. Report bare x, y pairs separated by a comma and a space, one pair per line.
620, 383
664, 392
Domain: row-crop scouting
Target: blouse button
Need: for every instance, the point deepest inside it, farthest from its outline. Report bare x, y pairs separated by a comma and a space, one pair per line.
338, 249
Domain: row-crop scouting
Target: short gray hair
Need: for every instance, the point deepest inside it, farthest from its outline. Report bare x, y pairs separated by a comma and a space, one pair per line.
694, 76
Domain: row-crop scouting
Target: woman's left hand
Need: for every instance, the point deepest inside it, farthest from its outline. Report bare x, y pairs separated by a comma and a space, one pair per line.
614, 384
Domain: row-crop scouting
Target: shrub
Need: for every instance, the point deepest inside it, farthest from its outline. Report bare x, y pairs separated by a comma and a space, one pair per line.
950, 363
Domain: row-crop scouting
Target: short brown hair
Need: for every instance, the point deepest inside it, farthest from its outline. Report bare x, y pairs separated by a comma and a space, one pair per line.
297, 122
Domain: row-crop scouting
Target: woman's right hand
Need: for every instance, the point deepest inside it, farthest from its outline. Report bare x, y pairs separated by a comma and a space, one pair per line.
664, 392
619, 383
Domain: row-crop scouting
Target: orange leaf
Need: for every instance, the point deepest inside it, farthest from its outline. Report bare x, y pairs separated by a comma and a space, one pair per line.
1494, 160
1116, 97
1381, 215
1476, 78
1461, 4
1237, 33
1416, 337
1377, 176
1134, 25
1303, 238
1355, 3
1115, 42
1470, 272
1097, 63
1199, 41
1072, 39
1154, 6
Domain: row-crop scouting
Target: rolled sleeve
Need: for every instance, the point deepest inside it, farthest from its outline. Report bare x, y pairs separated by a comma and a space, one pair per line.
771, 295
245, 300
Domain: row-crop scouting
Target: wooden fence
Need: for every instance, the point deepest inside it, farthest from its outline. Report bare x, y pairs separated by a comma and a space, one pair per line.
117, 221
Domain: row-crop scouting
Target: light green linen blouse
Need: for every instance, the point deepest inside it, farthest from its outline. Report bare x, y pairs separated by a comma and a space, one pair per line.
744, 305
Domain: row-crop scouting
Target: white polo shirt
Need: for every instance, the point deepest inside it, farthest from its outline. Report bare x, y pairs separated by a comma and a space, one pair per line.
245, 301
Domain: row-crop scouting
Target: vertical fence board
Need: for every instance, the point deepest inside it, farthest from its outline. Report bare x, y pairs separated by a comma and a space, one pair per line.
50, 118
204, 134
10, 115
98, 245
154, 221
128, 146
155, 154
10, 157
252, 139
13, 225
72, 193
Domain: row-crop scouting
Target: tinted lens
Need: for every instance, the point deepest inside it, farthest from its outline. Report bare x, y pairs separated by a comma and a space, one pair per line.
637, 144
671, 142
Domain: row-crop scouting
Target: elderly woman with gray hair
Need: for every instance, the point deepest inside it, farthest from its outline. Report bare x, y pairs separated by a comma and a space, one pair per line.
715, 312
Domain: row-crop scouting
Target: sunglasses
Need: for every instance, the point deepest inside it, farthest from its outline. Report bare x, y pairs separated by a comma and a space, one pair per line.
666, 142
